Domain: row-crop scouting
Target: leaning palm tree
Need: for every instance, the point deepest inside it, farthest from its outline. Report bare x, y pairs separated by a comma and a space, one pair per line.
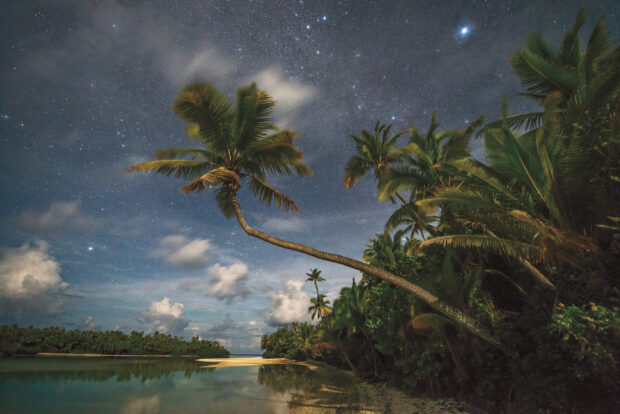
242, 146
315, 276
320, 307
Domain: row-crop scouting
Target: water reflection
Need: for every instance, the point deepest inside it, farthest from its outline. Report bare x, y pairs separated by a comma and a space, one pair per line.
324, 388
131, 386
32, 369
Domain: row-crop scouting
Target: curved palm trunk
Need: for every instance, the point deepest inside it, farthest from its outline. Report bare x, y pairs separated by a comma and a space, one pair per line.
454, 314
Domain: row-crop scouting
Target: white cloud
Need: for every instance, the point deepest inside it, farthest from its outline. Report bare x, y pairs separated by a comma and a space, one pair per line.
167, 317
228, 282
289, 305
181, 251
153, 37
89, 324
61, 216
288, 94
293, 224
225, 342
30, 281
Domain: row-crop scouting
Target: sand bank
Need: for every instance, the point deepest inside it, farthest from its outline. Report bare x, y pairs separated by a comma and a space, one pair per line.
247, 362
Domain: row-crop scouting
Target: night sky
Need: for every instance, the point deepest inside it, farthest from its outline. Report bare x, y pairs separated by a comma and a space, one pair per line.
86, 90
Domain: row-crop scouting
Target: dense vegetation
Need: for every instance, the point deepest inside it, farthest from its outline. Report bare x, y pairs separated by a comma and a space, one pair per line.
15, 340
526, 242
511, 296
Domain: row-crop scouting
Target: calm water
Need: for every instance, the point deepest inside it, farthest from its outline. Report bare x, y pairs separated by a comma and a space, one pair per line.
121, 385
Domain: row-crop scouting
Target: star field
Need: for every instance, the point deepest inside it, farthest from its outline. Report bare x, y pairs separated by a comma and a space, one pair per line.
86, 91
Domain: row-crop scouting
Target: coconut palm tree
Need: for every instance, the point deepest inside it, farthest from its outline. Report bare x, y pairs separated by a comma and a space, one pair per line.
583, 81
320, 307
242, 146
315, 276
523, 202
422, 172
375, 151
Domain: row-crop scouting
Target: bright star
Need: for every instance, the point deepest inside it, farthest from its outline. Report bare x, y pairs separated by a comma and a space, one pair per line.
464, 32
90, 248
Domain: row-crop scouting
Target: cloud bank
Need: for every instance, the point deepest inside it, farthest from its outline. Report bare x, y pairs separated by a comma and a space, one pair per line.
289, 305
181, 251
167, 317
30, 281
228, 282
61, 216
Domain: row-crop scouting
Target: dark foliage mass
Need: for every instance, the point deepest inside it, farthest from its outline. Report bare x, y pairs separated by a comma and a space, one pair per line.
27, 341
527, 243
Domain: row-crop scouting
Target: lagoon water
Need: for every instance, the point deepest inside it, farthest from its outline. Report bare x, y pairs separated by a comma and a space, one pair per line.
154, 385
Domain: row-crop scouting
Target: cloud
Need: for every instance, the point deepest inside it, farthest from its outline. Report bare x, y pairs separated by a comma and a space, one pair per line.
109, 27
167, 317
225, 342
181, 251
61, 216
293, 224
228, 282
30, 281
227, 324
89, 324
288, 94
289, 305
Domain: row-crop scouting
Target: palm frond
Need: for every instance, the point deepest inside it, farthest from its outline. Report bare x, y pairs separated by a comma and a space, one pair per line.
355, 168
569, 53
185, 169
504, 247
184, 152
541, 76
202, 104
216, 176
266, 194
254, 110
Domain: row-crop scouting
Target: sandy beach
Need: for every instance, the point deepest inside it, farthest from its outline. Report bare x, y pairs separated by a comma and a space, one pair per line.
250, 361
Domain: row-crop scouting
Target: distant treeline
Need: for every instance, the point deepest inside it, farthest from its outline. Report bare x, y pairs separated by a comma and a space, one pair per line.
16, 340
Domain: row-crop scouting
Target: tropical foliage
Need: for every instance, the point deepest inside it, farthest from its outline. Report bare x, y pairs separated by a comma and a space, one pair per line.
525, 241
16, 340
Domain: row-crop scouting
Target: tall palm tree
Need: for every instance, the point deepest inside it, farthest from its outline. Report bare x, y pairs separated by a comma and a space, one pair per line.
320, 307
374, 151
422, 172
242, 146
315, 276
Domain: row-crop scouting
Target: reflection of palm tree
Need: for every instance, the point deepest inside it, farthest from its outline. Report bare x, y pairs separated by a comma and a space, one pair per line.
242, 146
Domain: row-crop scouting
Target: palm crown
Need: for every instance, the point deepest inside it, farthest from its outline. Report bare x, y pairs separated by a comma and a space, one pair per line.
240, 145
373, 151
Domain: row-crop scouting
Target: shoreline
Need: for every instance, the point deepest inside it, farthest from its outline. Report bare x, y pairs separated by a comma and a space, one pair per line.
251, 361
59, 354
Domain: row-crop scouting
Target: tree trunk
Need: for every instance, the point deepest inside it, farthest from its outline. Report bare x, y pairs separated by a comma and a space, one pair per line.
454, 314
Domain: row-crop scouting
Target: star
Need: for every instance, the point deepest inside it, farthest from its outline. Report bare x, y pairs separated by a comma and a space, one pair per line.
464, 32
90, 248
